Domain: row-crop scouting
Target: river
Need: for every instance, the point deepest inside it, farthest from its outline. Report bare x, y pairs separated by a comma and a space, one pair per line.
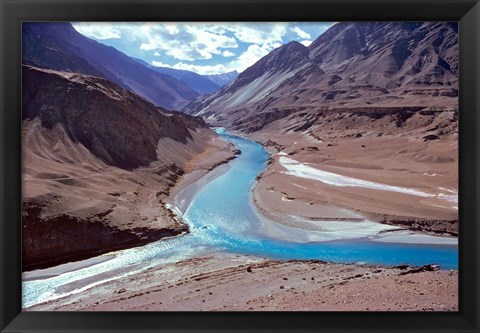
222, 218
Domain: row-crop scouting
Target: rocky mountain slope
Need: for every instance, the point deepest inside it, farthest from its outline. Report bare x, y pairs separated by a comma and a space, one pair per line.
59, 46
99, 162
390, 54
257, 81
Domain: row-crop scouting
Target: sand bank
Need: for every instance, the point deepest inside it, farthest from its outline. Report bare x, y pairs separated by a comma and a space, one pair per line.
311, 183
188, 187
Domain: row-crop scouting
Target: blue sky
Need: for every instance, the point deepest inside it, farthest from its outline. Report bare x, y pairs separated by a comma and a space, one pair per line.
205, 48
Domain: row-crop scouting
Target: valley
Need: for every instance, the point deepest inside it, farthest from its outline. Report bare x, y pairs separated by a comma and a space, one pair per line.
227, 236
373, 101
143, 183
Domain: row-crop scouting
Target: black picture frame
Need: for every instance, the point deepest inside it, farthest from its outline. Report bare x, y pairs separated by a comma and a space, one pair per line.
13, 12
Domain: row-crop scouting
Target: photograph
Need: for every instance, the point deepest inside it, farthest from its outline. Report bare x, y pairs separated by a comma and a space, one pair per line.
240, 166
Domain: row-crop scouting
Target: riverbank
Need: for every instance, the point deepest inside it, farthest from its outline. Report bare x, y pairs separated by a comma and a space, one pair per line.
72, 212
229, 282
310, 181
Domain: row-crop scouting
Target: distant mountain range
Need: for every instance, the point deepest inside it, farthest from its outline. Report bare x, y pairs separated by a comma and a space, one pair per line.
59, 46
352, 65
203, 84
222, 79
194, 81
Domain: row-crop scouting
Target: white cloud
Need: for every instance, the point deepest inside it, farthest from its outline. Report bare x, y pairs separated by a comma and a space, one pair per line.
98, 30
198, 41
171, 28
188, 42
306, 42
156, 54
228, 54
246, 59
160, 64
205, 69
258, 33
249, 57
302, 34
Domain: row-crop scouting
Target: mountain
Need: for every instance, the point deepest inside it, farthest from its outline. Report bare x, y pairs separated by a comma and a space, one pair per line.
194, 81
390, 54
222, 79
257, 81
115, 125
60, 47
98, 165
362, 65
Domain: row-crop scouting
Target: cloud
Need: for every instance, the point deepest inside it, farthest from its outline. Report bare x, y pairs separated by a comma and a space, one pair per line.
249, 57
98, 30
300, 33
198, 41
258, 33
188, 42
160, 64
306, 42
246, 59
228, 54
205, 69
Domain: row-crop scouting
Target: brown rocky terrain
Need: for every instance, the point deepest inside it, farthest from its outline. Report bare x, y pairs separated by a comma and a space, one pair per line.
98, 165
398, 156
375, 101
226, 282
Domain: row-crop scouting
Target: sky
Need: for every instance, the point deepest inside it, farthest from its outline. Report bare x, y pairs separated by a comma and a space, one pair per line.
204, 48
